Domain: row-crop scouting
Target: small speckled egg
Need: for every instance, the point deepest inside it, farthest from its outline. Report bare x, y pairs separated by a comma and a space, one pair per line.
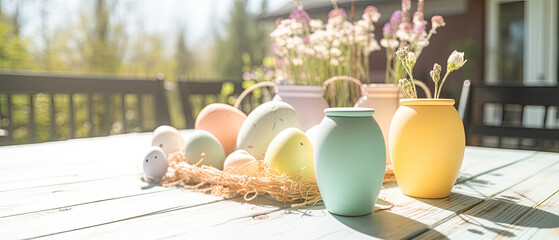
241, 162
167, 138
291, 152
202, 142
263, 124
223, 121
155, 163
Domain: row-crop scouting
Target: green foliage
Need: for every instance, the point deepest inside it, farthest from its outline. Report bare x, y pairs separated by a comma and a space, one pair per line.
243, 36
13, 50
99, 42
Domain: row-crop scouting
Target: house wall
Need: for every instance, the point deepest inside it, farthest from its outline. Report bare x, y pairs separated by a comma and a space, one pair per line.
463, 32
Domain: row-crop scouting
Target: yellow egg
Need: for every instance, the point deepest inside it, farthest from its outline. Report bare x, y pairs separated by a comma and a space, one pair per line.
291, 152
240, 162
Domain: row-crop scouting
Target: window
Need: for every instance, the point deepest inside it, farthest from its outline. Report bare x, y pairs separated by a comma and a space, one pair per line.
521, 42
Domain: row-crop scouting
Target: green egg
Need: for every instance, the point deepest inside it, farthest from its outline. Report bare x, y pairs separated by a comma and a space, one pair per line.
201, 142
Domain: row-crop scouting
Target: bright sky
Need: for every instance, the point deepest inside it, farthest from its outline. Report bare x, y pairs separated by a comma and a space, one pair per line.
154, 16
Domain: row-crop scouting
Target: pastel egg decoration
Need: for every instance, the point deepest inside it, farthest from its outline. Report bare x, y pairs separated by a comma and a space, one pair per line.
223, 121
167, 138
263, 124
155, 163
202, 142
291, 152
240, 162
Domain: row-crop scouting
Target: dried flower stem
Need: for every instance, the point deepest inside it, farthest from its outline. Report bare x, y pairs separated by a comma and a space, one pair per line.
438, 91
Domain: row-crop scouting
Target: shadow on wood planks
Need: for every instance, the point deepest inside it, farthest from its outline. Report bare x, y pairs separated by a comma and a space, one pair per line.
500, 211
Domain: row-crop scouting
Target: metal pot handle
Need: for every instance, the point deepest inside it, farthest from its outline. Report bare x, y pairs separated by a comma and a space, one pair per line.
250, 89
341, 78
424, 87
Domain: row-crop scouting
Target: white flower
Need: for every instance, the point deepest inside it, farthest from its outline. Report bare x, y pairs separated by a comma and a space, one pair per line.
422, 43
290, 43
373, 46
297, 27
437, 21
334, 62
316, 24
364, 25
361, 39
297, 62
335, 43
321, 51
436, 73
300, 49
411, 59
389, 43
336, 21
309, 51
335, 52
455, 61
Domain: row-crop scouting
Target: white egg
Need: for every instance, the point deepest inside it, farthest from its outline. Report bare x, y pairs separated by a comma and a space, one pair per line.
167, 138
263, 124
241, 162
155, 163
311, 133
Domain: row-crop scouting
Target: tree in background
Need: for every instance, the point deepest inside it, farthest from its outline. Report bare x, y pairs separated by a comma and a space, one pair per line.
243, 35
13, 50
184, 59
104, 39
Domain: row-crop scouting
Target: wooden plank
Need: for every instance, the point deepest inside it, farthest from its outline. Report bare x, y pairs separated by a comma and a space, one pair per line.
74, 160
71, 116
10, 126
68, 218
44, 198
140, 112
479, 161
90, 114
123, 104
31, 119
52, 119
524, 210
177, 222
107, 109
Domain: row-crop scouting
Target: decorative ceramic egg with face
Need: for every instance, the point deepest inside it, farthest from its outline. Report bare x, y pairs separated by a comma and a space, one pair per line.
291, 153
240, 162
263, 124
155, 163
223, 121
167, 138
201, 143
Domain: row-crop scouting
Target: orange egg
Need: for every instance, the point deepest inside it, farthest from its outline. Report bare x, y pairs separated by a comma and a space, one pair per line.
223, 121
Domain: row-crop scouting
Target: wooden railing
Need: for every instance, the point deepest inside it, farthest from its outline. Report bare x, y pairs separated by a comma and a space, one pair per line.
100, 96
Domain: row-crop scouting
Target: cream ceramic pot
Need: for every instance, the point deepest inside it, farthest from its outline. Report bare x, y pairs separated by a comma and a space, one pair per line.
307, 101
384, 99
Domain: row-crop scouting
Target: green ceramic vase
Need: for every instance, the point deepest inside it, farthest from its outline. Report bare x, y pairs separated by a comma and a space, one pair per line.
350, 160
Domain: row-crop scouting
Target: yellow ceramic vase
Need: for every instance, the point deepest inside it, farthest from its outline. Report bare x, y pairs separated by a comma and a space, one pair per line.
427, 146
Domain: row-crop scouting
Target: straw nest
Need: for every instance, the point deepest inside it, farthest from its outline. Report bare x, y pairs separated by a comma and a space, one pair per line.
292, 189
